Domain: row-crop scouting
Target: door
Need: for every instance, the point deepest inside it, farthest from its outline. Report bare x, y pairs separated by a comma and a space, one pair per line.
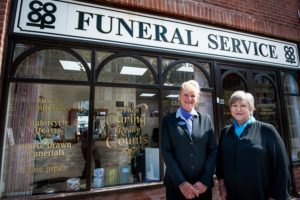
262, 84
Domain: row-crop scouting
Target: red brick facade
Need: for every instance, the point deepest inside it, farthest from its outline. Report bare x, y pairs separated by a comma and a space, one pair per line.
277, 19
4, 13
272, 18
297, 177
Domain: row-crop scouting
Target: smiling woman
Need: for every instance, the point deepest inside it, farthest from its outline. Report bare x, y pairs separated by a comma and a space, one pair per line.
252, 161
189, 149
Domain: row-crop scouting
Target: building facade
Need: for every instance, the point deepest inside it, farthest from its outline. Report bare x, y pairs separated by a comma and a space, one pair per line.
85, 85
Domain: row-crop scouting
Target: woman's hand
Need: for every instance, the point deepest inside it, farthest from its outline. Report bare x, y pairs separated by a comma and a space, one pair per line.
222, 189
200, 187
188, 190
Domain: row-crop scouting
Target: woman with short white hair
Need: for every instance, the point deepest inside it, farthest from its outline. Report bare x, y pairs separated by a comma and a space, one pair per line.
189, 148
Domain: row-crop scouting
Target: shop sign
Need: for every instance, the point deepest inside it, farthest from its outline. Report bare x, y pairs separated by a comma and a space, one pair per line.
104, 25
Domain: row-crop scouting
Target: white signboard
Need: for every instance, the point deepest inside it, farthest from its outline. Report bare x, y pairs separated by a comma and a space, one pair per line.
94, 23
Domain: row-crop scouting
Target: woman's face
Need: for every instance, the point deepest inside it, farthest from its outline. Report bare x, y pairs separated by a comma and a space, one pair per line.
188, 99
240, 111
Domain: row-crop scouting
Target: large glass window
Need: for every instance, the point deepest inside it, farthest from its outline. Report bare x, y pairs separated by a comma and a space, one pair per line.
231, 83
292, 103
184, 71
126, 69
265, 101
53, 64
126, 135
43, 151
60, 137
171, 102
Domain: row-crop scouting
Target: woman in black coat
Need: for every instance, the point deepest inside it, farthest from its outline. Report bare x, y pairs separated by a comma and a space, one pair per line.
252, 162
189, 149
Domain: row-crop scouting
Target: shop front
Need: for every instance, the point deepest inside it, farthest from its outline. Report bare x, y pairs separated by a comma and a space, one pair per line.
87, 87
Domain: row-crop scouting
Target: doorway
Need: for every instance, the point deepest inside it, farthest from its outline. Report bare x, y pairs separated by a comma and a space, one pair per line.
262, 84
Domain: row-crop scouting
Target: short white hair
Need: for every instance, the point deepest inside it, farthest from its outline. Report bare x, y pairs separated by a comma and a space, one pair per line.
191, 85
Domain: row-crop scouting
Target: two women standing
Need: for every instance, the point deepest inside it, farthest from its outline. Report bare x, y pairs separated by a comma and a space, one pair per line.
251, 161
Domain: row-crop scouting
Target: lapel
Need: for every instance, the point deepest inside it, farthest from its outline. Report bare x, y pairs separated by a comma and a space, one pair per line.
182, 124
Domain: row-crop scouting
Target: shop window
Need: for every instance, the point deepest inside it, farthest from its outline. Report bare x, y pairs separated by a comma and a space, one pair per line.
184, 71
125, 69
265, 101
101, 56
292, 103
166, 62
125, 140
171, 102
52, 64
20, 48
86, 55
179, 73
43, 140
291, 85
231, 83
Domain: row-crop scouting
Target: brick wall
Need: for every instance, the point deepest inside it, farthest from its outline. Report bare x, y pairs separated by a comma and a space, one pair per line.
145, 194
296, 170
139, 194
271, 18
4, 12
155, 193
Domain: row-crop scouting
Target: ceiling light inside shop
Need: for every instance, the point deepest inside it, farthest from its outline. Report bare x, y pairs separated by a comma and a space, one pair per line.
137, 71
186, 68
72, 65
147, 95
172, 96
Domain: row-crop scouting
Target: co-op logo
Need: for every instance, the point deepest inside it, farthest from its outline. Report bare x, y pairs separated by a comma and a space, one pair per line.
41, 15
289, 54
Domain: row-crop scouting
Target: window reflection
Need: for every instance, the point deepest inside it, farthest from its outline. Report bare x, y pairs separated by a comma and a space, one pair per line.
20, 48
293, 116
185, 71
126, 70
43, 153
291, 85
265, 101
52, 64
86, 55
48, 132
231, 83
128, 137
101, 55
292, 103
166, 62
171, 102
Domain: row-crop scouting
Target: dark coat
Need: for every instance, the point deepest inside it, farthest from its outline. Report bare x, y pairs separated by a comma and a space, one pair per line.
188, 158
254, 166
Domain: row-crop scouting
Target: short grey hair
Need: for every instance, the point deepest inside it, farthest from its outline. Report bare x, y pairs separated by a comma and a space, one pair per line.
242, 95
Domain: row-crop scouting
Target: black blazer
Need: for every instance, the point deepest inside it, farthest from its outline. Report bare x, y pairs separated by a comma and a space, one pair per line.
188, 157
